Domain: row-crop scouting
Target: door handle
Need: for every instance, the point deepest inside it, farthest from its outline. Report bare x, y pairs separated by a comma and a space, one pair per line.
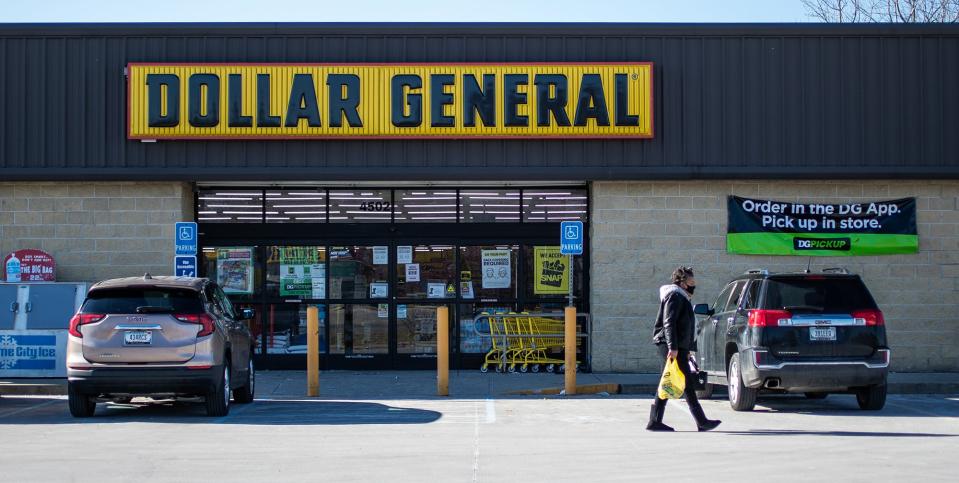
715, 320
29, 306
14, 306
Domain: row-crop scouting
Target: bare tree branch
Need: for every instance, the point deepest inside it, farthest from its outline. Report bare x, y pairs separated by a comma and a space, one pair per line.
894, 11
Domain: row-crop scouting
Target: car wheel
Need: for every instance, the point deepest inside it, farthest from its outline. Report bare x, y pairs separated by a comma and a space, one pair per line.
244, 394
741, 398
816, 395
871, 398
81, 405
218, 399
706, 392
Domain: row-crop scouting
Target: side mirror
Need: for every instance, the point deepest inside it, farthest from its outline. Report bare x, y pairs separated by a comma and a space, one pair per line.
247, 314
702, 309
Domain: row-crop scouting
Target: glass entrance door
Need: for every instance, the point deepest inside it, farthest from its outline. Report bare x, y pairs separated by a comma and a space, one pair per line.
425, 276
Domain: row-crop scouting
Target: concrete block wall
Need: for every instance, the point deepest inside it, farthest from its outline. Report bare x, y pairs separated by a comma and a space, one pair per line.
95, 230
640, 231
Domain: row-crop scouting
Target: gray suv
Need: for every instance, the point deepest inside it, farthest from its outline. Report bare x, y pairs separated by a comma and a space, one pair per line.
159, 337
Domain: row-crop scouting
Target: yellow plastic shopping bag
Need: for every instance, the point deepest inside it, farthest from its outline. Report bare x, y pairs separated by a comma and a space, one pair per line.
673, 383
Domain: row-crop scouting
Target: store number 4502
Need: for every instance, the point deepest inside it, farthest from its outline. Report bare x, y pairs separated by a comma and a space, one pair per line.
376, 206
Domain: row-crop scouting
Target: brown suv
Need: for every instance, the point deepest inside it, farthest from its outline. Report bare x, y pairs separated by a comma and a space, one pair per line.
159, 337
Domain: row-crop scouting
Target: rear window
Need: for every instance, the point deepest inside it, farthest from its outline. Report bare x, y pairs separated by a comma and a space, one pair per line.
818, 295
132, 301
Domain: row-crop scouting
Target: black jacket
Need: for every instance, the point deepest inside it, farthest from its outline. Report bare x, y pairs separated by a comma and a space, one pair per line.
675, 323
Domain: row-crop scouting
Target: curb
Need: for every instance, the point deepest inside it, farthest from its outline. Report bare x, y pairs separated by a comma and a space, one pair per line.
14, 389
585, 389
894, 388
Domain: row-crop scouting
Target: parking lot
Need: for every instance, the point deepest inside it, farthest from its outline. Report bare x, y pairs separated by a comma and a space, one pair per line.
584, 438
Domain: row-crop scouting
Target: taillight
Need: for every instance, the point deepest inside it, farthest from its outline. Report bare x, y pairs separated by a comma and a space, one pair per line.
868, 317
83, 319
200, 319
769, 318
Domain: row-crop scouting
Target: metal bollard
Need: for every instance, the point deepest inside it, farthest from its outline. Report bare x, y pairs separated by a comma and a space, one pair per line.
312, 351
570, 346
442, 351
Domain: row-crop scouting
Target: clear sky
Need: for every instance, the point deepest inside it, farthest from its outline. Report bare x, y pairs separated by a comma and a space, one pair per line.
402, 11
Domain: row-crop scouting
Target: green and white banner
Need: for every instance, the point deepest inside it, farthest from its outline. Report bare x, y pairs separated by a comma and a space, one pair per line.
763, 227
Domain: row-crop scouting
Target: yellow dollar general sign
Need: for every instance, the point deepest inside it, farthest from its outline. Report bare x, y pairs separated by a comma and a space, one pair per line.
304, 101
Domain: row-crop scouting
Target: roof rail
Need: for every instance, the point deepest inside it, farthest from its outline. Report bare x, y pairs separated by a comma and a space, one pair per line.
841, 270
756, 271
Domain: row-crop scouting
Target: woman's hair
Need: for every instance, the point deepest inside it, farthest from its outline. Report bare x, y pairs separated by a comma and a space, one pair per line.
682, 273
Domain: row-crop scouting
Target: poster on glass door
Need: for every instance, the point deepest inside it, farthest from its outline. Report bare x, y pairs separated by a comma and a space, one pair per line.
302, 273
497, 270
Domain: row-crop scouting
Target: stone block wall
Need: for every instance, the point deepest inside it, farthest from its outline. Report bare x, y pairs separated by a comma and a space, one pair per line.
640, 231
95, 230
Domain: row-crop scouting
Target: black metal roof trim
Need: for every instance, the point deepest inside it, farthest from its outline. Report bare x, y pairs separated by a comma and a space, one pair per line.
473, 28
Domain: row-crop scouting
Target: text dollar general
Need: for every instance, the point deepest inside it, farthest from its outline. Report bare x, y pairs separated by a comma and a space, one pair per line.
290, 101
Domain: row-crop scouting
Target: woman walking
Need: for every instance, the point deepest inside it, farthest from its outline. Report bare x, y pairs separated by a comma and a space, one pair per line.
674, 335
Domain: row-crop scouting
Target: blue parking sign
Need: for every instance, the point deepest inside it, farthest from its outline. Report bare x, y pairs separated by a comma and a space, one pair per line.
184, 266
571, 238
185, 238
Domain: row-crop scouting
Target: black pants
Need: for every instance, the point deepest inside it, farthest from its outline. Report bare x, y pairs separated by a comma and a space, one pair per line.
690, 394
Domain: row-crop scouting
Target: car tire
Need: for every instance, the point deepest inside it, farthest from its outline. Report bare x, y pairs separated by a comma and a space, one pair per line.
244, 394
871, 398
218, 399
706, 392
816, 395
741, 398
81, 405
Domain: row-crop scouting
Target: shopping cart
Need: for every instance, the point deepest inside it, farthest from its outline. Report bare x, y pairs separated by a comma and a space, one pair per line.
524, 342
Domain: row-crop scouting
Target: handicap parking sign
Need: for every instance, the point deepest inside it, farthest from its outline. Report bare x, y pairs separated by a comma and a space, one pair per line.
184, 266
571, 238
184, 238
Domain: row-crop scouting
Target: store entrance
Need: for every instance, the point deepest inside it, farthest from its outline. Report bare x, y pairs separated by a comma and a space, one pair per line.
377, 286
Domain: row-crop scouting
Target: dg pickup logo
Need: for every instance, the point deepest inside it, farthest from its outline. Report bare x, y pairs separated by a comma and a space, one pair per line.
28, 352
838, 244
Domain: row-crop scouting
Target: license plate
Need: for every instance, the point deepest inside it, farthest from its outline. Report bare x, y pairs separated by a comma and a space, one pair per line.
822, 333
137, 337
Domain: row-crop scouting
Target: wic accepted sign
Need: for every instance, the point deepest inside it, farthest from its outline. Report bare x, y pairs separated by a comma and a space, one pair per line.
763, 227
304, 101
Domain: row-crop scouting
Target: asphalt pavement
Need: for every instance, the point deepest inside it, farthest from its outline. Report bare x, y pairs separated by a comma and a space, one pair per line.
286, 437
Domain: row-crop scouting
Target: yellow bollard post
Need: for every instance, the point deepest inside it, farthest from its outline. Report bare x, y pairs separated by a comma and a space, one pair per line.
442, 351
570, 343
312, 351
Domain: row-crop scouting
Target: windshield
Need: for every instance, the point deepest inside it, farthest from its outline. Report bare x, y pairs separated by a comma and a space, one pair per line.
143, 301
818, 295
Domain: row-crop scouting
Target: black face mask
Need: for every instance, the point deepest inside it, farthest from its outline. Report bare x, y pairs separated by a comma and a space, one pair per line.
690, 289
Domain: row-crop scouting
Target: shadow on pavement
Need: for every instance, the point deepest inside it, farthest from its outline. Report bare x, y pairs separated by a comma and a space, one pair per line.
845, 405
268, 412
799, 432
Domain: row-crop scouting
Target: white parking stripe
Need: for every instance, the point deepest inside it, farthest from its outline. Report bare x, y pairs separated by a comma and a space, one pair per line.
28, 408
490, 411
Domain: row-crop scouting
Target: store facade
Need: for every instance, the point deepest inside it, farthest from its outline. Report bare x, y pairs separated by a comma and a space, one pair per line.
377, 171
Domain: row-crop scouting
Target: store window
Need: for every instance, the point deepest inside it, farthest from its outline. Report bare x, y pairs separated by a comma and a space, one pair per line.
425, 206
426, 271
474, 329
237, 270
490, 206
415, 329
547, 273
551, 205
488, 271
230, 206
359, 272
296, 272
359, 329
361, 206
285, 329
296, 206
